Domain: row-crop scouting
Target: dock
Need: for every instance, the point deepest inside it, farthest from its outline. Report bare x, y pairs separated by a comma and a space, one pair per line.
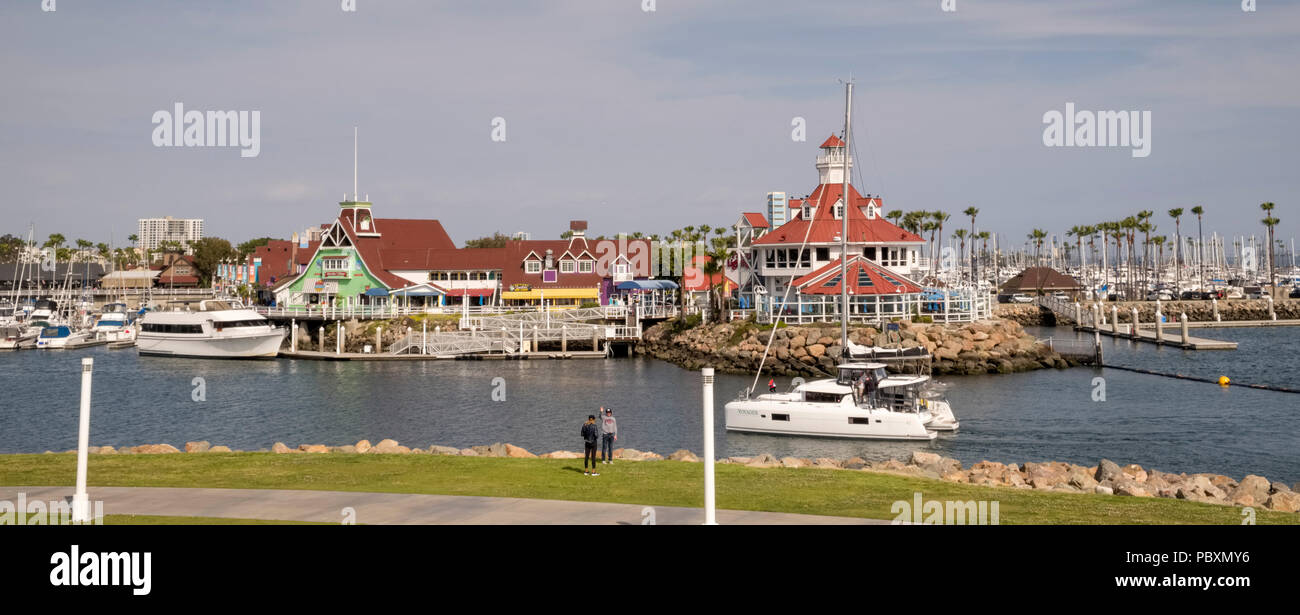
1166, 338
313, 355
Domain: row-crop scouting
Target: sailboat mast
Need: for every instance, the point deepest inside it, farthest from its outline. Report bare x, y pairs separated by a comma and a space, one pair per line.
844, 218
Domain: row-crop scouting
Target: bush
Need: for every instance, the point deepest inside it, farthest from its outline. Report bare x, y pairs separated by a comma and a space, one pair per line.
924, 319
679, 324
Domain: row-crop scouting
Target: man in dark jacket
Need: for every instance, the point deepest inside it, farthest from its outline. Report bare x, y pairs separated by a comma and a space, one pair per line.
590, 435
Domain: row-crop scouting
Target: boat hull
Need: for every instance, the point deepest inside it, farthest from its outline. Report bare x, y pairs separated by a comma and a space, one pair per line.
252, 346
792, 418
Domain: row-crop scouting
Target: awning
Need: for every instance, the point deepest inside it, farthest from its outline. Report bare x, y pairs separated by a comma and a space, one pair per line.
417, 292
471, 292
647, 285
552, 293
377, 292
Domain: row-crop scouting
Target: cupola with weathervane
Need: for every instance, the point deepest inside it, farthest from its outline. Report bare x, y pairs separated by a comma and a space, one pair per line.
831, 162
354, 210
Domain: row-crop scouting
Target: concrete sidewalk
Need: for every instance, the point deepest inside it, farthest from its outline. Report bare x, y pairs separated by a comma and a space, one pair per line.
397, 508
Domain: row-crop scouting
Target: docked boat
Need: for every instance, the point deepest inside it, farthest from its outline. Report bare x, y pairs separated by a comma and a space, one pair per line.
113, 326
215, 330
59, 336
12, 337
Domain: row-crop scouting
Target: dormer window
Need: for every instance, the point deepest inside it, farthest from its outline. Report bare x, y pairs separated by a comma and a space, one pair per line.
586, 266
839, 210
567, 267
533, 266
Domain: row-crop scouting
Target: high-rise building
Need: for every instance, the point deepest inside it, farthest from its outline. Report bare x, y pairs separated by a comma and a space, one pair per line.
154, 231
776, 209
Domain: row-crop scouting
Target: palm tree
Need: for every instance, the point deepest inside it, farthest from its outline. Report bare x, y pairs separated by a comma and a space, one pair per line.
1078, 231
894, 216
939, 218
960, 235
1270, 222
1159, 241
1037, 237
971, 212
1200, 250
1177, 213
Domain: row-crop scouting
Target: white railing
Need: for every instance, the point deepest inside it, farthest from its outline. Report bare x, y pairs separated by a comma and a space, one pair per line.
506, 339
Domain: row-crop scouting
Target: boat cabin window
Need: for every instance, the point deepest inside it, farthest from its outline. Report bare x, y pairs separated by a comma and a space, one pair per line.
50, 332
822, 398
780, 417
212, 306
849, 375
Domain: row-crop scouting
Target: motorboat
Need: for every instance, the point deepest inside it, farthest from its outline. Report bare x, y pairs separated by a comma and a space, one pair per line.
215, 330
13, 336
912, 382
113, 326
59, 336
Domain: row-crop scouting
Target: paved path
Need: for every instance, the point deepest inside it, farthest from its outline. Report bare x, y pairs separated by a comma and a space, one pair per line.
396, 508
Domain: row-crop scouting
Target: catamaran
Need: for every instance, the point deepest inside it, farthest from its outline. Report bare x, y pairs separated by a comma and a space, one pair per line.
863, 400
216, 330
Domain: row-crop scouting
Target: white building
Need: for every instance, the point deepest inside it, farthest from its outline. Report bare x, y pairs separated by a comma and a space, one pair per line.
154, 231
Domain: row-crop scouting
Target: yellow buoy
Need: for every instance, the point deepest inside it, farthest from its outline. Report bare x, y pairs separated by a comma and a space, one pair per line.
1223, 381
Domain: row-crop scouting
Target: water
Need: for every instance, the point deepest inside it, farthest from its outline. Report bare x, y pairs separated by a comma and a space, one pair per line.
1172, 425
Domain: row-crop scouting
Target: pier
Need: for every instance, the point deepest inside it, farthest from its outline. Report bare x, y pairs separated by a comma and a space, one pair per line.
1094, 320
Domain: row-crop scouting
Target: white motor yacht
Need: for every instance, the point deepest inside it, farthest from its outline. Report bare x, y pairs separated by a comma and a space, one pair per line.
113, 327
215, 330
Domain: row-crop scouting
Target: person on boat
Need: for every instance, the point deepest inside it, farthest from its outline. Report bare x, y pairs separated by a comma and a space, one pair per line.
590, 435
608, 434
771, 385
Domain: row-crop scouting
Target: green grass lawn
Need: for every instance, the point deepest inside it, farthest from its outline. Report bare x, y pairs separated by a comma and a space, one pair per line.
659, 483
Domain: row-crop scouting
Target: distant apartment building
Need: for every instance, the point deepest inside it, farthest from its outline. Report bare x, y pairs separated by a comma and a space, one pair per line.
777, 208
154, 231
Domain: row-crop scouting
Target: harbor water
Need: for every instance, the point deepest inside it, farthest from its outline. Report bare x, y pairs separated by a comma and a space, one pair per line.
1047, 415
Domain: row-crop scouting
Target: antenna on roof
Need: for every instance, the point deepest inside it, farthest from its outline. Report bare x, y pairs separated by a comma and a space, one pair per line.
354, 163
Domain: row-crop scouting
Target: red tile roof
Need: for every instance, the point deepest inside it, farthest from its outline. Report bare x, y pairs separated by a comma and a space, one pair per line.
834, 141
756, 220
825, 228
865, 278
398, 246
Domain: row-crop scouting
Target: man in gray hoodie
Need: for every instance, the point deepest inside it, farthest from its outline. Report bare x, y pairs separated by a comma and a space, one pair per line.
608, 434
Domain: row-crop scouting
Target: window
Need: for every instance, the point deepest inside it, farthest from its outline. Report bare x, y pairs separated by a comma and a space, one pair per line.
823, 254
870, 253
839, 210
334, 264
859, 420
567, 266
586, 266
780, 417
533, 266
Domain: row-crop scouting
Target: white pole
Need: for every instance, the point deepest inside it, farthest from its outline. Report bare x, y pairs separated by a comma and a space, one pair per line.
424, 339
80, 501
710, 514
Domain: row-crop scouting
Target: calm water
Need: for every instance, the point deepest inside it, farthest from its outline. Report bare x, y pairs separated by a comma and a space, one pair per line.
1157, 422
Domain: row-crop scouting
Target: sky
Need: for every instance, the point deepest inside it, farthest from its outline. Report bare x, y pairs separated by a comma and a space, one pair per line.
641, 120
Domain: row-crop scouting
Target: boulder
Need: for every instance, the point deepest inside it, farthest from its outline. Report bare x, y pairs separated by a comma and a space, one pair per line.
346, 448
763, 460
684, 455
1130, 487
1107, 471
313, 448
108, 450
1135, 472
631, 454
444, 450
562, 455
495, 450
1103, 490
1252, 491
220, 448
826, 463
155, 449
793, 462
468, 452
198, 447
1044, 475
363, 446
854, 463
280, 448
1283, 501
387, 445
1079, 479
518, 452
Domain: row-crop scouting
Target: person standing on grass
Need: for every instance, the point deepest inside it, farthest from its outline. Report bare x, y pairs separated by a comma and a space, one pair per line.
608, 434
590, 435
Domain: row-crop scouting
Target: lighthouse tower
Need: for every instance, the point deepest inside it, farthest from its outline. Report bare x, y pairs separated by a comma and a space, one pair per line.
831, 162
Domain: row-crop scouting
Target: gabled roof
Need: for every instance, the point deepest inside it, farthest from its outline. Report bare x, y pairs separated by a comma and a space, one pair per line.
756, 220
865, 278
404, 244
825, 227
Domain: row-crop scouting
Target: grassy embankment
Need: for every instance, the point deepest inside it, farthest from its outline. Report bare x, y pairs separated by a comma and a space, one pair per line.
661, 483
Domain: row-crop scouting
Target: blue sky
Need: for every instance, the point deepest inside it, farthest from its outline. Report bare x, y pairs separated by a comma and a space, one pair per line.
640, 121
